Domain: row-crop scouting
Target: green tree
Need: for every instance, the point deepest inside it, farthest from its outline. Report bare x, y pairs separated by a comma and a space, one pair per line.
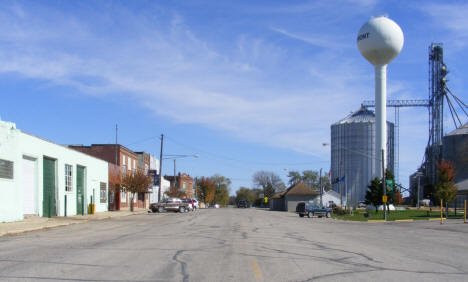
246, 194
374, 193
222, 189
445, 188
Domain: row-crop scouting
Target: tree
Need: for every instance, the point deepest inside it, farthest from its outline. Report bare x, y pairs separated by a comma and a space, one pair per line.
136, 182
245, 194
310, 178
294, 177
175, 192
222, 189
205, 190
374, 193
445, 188
269, 182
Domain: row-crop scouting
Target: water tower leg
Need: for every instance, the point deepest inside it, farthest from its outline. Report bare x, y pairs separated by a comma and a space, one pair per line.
380, 116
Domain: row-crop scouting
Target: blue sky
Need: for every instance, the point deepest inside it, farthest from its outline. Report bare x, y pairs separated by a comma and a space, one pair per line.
247, 85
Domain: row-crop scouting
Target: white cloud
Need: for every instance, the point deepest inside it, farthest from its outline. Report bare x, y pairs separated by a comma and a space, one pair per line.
257, 90
452, 17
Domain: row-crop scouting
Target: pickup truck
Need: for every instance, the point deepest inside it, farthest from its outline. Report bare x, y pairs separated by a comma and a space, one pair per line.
171, 204
311, 209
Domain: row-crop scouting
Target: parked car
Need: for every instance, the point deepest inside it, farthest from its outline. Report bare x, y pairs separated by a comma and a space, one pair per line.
242, 204
171, 204
312, 209
189, 203
362, 204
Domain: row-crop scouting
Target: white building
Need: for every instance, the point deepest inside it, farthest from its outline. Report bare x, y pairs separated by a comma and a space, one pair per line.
38, 177
154, 165
329, 198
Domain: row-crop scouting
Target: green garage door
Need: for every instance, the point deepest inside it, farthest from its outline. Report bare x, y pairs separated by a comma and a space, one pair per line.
79, 189
48, 200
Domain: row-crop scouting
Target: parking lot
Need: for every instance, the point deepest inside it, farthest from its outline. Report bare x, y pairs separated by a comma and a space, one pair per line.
238, 245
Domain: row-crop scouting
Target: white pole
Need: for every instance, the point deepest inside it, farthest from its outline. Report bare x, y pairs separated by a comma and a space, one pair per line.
380, 116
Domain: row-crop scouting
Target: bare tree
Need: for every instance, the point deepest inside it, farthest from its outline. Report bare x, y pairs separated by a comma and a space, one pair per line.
269, 182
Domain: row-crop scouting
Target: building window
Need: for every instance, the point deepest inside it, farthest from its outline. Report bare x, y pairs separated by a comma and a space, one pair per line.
184, 186
6, 169
124, 170
68, 178
123, 195
103, 187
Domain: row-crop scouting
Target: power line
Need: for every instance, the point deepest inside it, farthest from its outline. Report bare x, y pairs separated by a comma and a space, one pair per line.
218, 156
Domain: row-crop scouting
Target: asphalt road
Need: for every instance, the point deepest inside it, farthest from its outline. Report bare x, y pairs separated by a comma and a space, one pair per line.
237, 245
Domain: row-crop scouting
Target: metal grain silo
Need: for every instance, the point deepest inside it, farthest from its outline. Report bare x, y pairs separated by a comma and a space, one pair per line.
353, 154
455, 149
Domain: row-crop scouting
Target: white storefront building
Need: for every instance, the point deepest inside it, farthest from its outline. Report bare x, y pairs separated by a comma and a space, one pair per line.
38, 177
154, 165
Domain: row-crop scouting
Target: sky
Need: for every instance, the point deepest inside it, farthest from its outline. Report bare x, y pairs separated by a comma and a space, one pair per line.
245, 85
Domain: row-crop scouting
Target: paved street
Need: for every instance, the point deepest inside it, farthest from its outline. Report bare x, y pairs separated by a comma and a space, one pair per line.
237, 245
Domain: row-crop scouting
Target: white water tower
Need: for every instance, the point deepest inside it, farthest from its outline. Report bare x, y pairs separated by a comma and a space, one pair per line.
380, 40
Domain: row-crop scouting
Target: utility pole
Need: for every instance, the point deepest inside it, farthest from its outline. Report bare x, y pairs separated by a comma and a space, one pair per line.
174, 171
320, 183
116, 147
419, 187
160, 168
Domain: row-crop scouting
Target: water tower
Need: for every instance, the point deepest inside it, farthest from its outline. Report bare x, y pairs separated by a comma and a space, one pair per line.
380, 40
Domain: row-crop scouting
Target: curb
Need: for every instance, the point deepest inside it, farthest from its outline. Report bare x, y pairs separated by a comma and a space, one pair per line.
75, 221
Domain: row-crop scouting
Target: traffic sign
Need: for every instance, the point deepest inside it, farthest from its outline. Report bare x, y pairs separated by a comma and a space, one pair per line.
384, 199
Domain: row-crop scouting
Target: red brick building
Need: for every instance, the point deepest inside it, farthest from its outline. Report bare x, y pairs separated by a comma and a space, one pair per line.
121, 156
182, 181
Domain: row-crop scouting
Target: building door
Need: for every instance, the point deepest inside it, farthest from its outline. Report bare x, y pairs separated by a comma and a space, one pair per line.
48, 200
29, 185
80, 173
141, 200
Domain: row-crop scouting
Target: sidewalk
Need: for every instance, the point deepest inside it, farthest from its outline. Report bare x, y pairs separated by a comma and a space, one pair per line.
34, 223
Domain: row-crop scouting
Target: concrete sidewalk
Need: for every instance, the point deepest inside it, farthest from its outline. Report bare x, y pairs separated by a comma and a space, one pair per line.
34, 223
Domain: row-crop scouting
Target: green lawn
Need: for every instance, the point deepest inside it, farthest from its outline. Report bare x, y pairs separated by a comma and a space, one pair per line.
396, 215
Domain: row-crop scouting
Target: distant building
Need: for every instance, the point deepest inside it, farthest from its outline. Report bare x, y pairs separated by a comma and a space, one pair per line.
288, 199
120, 156
182, 181
353, 154
155, 168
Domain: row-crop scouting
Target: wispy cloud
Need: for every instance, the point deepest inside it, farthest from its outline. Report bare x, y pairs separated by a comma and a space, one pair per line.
323, 41
451, 17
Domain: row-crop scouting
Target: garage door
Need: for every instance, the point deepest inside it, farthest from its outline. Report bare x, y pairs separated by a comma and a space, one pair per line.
29, 185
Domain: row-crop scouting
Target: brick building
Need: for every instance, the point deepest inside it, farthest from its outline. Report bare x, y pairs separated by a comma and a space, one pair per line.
123, 157
182, 181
